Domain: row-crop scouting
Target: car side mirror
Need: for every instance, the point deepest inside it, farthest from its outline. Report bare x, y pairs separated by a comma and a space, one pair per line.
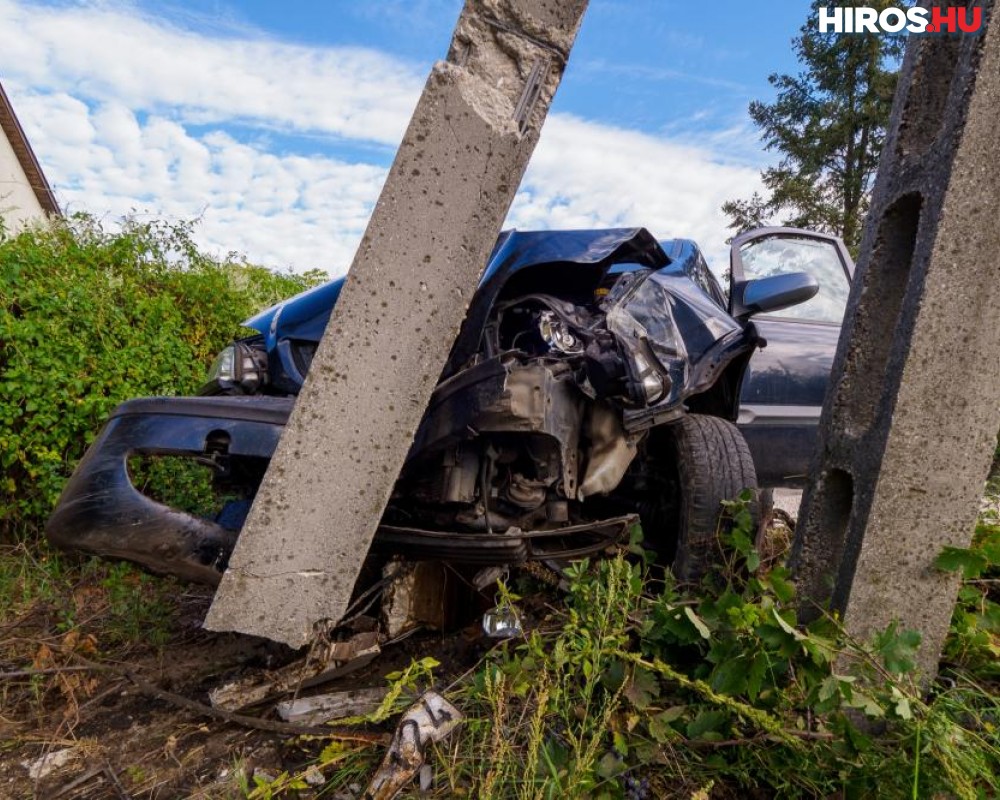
762, 295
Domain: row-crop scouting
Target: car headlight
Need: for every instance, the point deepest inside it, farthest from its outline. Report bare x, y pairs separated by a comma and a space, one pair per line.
644, 323
240, 368
223, 369
654, 384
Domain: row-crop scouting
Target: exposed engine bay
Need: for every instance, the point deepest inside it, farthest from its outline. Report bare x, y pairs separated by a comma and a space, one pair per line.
523, 437
545, 434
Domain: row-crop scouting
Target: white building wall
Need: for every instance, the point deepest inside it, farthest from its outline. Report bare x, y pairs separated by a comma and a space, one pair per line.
18, 203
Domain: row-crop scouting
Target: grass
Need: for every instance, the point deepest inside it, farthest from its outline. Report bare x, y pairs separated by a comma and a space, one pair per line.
635, 688
58, 608
115, 602
629, 686
635, 724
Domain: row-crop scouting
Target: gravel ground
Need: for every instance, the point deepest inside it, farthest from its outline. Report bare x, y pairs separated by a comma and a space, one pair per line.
788, 501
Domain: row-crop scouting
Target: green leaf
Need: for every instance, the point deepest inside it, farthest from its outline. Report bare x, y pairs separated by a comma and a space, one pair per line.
866, 703
787, 628
698, 623
903, 708
609, 766
614, 674
741, 542
642, 688
898, 650
830, 687
707, 725
730, 677
971, 563
672, 714
755, 677
659, 726
783, 589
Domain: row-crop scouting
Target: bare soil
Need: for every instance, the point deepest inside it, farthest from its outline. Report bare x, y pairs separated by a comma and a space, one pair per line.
112, 740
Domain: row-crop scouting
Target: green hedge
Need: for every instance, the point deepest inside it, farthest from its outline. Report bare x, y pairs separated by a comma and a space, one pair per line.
89, 318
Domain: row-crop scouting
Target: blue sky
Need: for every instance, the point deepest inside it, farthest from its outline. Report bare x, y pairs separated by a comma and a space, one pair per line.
274, 123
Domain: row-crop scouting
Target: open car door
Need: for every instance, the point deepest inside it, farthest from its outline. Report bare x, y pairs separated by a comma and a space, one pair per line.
785, 382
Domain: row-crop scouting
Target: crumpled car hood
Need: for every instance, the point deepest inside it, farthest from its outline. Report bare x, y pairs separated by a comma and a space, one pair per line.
305, 315
701, 321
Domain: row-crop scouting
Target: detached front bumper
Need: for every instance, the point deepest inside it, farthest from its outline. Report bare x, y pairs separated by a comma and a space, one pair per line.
102, 513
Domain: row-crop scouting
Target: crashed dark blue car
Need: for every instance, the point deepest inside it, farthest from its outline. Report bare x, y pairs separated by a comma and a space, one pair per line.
599, 377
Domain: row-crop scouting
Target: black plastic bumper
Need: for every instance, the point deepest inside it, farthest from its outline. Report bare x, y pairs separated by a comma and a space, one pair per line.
102, 513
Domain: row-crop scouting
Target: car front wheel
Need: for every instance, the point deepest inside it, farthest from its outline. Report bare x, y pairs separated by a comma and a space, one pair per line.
712, 463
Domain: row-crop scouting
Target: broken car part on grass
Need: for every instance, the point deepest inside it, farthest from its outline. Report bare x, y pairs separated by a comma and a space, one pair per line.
428, 721
596, 380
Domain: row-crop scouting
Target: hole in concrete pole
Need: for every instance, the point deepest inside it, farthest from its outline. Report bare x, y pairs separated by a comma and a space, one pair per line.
878, 315
835, 500
924, 112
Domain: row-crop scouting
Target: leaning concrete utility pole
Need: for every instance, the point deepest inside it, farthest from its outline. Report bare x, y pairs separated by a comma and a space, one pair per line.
432, 230
912, 412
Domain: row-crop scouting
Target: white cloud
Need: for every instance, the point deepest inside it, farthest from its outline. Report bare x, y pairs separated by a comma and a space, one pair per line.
281, 210
585, 174
104, 53
130, 114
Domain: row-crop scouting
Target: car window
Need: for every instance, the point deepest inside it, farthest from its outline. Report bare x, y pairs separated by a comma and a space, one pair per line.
779, 255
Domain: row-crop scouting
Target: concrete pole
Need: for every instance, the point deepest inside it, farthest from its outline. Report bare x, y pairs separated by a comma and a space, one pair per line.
912, 412
436, 221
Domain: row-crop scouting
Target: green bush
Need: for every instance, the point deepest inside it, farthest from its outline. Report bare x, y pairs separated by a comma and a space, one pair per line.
90, 318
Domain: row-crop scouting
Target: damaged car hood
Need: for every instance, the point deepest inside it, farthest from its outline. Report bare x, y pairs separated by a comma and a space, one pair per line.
523, 260
305, 315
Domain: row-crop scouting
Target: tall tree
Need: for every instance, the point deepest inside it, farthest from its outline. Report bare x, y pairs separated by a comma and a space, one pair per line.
828, 123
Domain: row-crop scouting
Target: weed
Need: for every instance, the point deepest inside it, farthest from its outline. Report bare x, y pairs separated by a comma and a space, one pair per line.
636, 688
640, 690
138, 605
115, 603
973, 644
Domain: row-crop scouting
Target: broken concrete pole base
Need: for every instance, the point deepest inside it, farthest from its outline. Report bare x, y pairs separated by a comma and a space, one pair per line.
326, 663
416, 597
910, 419
430, 720
328, 707
436, 221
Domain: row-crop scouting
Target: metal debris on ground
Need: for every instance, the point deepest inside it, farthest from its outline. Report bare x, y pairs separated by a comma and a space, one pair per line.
326, 707
430, 720
325, 663
488, 576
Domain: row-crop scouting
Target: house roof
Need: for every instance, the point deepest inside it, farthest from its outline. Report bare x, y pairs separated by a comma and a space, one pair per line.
25, 155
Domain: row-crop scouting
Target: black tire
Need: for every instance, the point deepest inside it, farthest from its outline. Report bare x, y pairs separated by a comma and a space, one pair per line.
713, 464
